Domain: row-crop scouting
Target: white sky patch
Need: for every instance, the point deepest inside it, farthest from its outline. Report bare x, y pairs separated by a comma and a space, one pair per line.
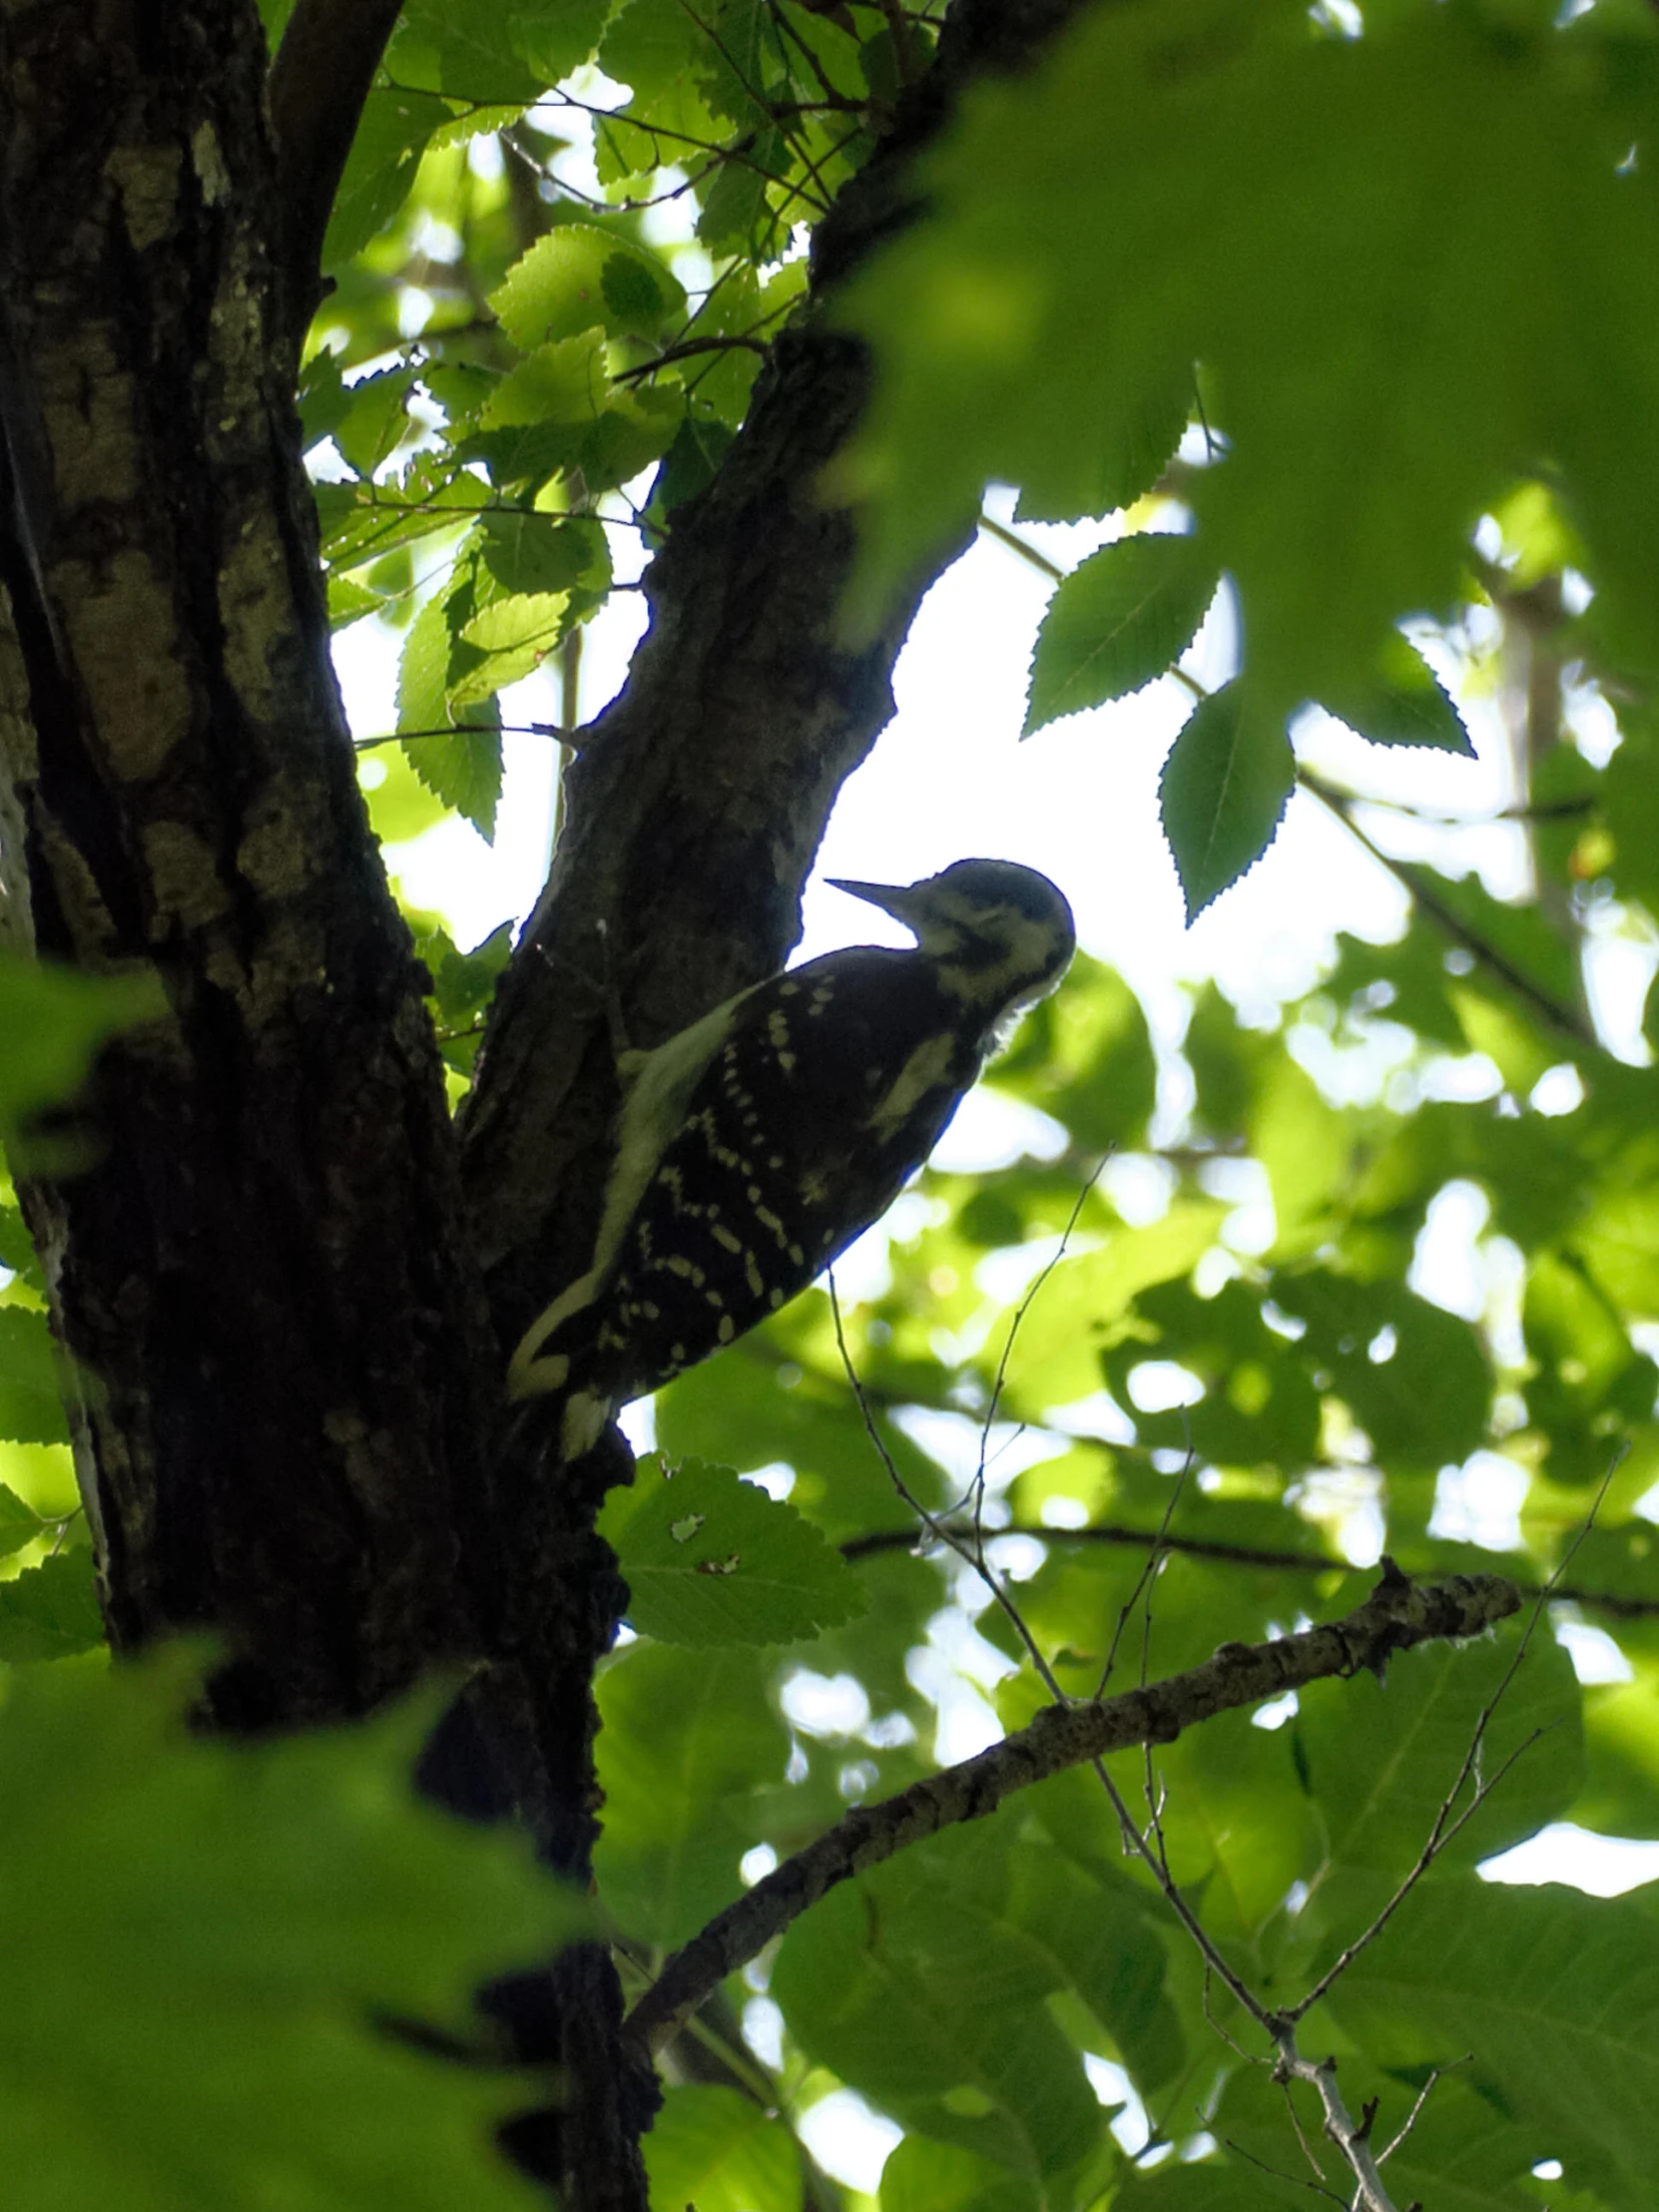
1602, 1865
849, 2141
1113, 2087
1479, 1503
1446, 1264
1595, 1656
824, 1704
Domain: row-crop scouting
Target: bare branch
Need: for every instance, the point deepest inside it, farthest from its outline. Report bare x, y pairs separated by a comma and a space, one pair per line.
1350, 2136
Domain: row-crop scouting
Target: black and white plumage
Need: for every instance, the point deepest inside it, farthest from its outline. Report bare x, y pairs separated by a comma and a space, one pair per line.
753, 1146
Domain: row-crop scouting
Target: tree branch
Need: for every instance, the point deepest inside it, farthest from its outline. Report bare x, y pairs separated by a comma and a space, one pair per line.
1565, 1021
1396, 1616
321, 75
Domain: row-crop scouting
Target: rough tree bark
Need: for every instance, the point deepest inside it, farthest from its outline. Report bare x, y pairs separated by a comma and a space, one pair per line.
285, 1284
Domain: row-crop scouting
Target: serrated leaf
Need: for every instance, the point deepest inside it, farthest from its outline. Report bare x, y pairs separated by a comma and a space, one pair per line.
17, 1250
514, 635
322, 396
50, 1611
376, 419
736, 201
364, 522
463, 50
1401, 703
464, 771
712, 1560
464, 983
200, 1938
349, 601
20, 1525
555, 37
1223, 791
31, 1406
1121, 617
531, 552
1118, 450
579, 277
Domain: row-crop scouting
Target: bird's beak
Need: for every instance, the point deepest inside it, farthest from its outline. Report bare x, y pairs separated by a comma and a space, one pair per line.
896, 899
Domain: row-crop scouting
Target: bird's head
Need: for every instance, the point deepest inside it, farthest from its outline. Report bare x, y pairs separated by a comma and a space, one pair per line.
1000, 935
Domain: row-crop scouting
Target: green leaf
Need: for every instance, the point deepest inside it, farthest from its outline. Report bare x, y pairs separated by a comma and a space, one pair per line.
20, 1525
689, 1739
1055, 1359
1121, 617
1118, 452
933, 2003
712, 1560
579, 277
322, 396
49, 1612
1224, 790
200, 1938
1380, 1759
1305, 1145
380, 170
55, 1020
1085, 1056
530, 552
925, 2176
562, 384
349, 601
376, 419
712, 2148
513, 636
462, 49
17, 1248
364, 522
1401, 702
464, 983
1414, 1375
555, 37
31, 1403
464, 771
1555, 1996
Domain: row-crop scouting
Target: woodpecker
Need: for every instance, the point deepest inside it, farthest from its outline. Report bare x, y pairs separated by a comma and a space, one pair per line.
753, 1146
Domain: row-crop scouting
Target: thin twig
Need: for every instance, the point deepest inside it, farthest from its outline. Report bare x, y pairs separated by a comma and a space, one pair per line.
935, 1527
1436, 2073
1445, 1829
1562, 1018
